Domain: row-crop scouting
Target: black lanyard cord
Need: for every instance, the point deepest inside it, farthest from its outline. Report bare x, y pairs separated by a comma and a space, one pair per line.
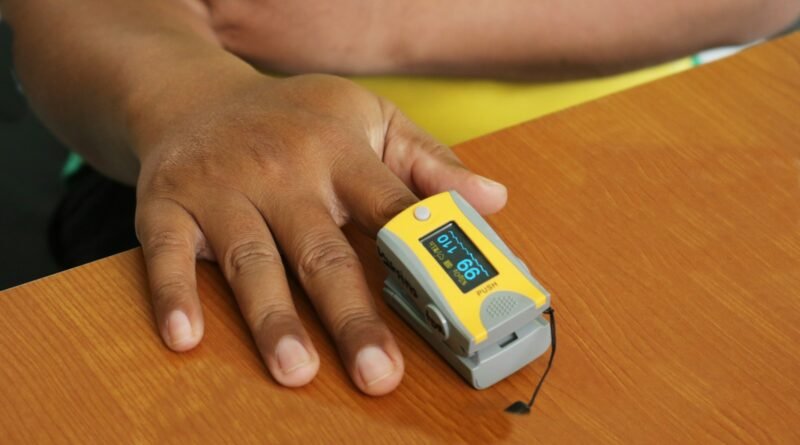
520, 407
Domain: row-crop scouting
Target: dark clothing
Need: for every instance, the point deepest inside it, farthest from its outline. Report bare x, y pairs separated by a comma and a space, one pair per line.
95, 219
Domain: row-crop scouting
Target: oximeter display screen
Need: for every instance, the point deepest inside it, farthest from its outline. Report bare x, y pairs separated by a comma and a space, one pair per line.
462, 261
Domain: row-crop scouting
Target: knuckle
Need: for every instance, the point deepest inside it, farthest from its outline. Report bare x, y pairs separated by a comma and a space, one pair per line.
391, 202
173, 291
440, 150
352, 321
443, 153
165, 182
166, 241
250, 256
321, 256
271, 315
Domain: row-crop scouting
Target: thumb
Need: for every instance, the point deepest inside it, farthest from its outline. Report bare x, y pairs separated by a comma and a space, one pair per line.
429, 167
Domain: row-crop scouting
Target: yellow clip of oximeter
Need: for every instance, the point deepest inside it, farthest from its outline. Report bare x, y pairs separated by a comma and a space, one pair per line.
462, 289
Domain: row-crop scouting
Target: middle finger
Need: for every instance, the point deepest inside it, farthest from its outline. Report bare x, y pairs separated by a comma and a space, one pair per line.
330, 272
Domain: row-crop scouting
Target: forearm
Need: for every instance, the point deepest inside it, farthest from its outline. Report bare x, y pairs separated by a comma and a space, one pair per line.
555, 39
106, 74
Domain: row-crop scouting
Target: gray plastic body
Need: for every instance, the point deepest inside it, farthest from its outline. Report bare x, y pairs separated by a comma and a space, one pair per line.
517, 332
488, 366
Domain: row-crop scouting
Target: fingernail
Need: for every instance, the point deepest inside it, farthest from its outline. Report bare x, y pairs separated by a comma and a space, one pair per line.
178, 328
374, 365
490, 183
291, 354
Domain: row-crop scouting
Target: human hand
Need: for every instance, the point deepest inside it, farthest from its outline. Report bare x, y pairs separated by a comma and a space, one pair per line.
283, 164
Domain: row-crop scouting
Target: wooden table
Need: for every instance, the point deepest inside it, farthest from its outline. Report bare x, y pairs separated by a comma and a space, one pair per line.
665, 221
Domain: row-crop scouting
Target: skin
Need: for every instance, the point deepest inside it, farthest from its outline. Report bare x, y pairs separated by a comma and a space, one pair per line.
230, 164
512, 39
259, 173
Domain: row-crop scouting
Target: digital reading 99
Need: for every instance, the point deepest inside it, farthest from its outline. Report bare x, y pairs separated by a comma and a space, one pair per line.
462, 289
463, 262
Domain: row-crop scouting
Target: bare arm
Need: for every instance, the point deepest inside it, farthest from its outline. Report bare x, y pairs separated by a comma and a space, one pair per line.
230, 164
553, 38
98, 71
542, 39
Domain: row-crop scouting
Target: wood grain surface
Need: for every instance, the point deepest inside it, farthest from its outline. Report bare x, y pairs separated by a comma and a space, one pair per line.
665, 221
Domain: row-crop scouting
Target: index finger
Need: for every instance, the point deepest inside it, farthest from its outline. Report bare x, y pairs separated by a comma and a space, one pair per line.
374, 196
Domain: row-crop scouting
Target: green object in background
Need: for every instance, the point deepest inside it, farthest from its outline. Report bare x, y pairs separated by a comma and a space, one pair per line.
72, 165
